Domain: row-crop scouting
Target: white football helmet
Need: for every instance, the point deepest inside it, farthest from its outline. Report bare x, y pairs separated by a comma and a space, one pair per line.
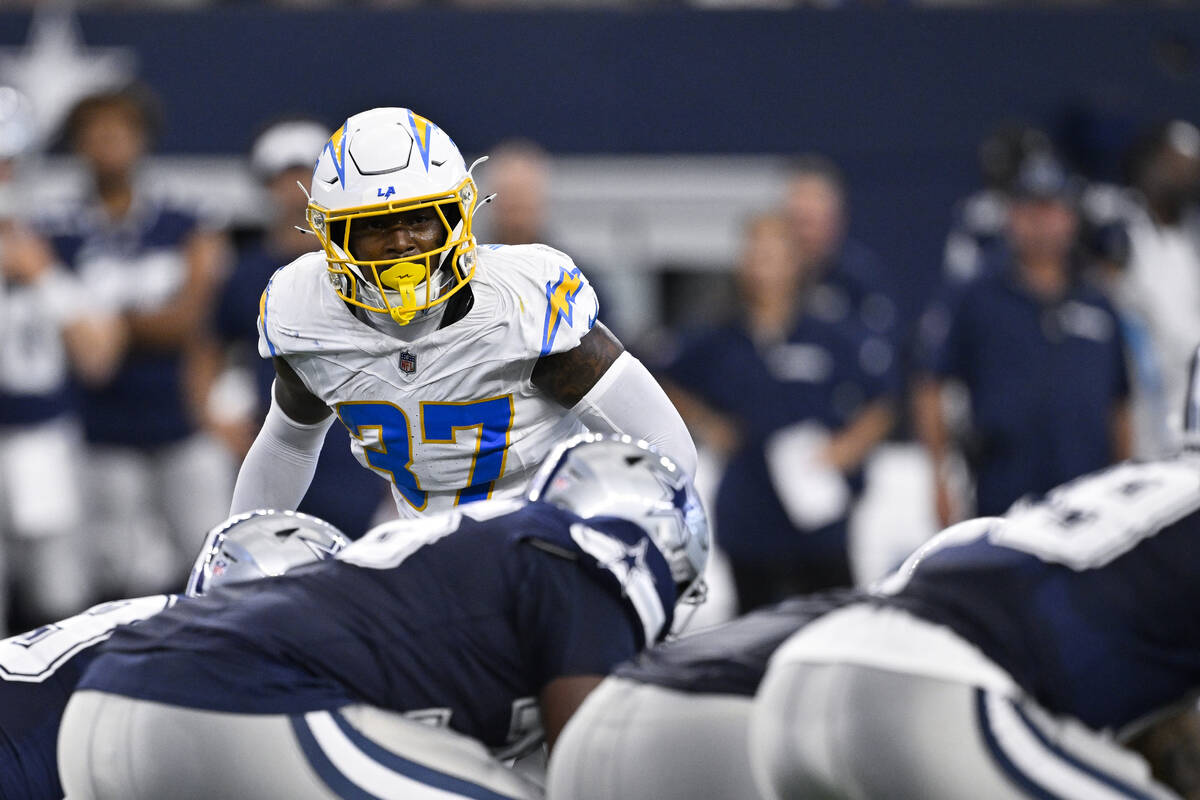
614, 475
386, 161
259, 544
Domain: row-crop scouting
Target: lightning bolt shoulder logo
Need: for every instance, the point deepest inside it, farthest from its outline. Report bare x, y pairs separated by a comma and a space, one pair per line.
560, 303
422, 134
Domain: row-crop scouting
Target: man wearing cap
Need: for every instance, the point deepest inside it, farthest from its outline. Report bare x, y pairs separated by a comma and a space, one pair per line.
1039, 353
281, 157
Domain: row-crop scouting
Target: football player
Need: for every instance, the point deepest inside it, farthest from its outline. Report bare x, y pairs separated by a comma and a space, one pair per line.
684, 706
390, 670
1010, 657
39, 669
455, 367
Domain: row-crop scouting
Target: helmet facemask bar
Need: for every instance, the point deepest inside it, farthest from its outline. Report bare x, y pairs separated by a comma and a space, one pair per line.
401, 287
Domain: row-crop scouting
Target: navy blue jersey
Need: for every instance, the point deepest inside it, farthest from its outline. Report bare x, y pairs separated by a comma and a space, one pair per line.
38, 672
1043, 380
730, 658
34, 375
460, 618
1086, 597
136, 264
825, 372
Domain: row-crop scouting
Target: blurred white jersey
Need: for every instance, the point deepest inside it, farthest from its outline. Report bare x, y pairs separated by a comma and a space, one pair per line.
452, 416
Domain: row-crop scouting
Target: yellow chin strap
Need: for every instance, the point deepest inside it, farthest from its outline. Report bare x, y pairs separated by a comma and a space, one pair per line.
404, 278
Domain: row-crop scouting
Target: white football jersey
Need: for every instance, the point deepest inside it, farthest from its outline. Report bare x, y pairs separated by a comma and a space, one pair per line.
451, 417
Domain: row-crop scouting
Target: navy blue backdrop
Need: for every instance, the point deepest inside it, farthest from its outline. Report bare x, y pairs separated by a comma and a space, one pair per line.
899, 97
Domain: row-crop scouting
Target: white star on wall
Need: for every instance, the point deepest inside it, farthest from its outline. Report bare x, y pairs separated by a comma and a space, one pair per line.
56, 70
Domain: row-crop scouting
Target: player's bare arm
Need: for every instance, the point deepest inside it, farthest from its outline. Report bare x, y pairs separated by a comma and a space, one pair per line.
1172, 748
611, 390
568, 376
559, 700
293, 396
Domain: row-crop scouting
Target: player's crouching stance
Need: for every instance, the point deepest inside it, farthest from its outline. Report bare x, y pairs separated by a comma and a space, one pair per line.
1011, 657
39, 669
391, 670
683, 706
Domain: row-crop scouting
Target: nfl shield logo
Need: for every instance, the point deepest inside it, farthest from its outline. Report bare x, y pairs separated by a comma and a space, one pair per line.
408, 362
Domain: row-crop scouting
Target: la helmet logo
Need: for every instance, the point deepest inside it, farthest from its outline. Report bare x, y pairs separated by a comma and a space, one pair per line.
391, 190
408, 362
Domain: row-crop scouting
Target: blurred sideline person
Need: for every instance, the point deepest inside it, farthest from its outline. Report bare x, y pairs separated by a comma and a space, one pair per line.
1019, 656
847, 279
153, 476
455, 367
518, 171
683, 706
391, 670
39, 669
981, 218
281, 157
795, 402
1162, 280
49, 333
1039, 353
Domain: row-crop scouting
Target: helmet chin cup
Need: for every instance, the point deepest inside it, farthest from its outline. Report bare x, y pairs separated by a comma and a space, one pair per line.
403, 279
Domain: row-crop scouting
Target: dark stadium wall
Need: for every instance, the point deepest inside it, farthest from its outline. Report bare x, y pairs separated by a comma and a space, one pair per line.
899, 97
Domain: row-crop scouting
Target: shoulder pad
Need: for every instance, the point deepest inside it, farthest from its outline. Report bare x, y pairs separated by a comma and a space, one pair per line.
556, 301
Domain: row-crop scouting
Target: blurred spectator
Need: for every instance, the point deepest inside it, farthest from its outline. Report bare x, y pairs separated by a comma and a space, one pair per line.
846, 278
796, 402
1040, 355
154, 479
282, 156
1162, 281
1106, 212
47, 329
981, 219
518, 171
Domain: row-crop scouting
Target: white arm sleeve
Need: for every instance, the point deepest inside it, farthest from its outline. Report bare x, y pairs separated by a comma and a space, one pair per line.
280, 464
627, 399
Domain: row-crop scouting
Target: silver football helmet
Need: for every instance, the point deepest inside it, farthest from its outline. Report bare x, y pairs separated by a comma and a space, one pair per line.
261, 543
614, 475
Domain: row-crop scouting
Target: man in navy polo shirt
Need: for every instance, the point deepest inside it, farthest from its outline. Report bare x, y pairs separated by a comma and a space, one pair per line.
1040, 355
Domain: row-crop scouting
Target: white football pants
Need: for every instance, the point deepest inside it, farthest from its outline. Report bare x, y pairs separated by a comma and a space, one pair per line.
631, 740
117, 748
839, 730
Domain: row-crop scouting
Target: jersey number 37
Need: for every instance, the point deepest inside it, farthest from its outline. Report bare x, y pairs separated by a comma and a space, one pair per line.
386, 436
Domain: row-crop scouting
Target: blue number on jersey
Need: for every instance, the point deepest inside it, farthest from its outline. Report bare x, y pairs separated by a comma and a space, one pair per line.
440, 423
393, 452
